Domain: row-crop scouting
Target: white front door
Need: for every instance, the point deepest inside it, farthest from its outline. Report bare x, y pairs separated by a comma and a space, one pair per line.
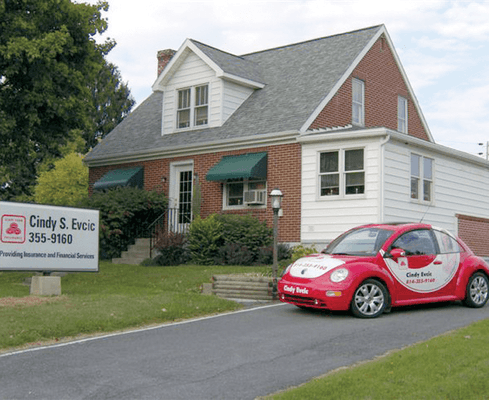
181, 180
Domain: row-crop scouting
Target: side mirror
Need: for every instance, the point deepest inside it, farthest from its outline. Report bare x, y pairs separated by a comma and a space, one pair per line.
396, 253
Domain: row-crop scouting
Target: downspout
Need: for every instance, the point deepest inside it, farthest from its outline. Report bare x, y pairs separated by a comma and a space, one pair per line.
382, 176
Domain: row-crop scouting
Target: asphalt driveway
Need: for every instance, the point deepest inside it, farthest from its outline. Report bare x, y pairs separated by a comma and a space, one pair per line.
239, 355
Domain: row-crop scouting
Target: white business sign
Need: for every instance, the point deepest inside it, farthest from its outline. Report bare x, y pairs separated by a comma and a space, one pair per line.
48, 238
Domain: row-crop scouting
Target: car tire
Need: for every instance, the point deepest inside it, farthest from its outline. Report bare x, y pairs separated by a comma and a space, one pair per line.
477, 292
370, 299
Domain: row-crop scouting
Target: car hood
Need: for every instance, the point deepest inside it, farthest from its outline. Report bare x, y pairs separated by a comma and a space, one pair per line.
316, 265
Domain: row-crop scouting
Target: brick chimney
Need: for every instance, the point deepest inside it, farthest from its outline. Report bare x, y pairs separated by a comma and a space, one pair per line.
164, 57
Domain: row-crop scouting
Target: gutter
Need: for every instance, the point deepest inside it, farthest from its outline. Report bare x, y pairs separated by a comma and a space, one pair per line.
247, 142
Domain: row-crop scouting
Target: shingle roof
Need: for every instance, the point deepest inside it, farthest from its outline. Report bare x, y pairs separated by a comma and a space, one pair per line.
297, 78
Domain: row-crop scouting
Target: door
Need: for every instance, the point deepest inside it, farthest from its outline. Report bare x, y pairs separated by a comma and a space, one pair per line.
425, 271
181, 186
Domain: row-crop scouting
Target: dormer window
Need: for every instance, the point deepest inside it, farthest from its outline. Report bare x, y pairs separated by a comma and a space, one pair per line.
193, 107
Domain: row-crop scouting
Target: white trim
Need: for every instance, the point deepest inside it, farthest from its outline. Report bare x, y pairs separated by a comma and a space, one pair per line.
188, 45
341, 150
192, 107
405, 108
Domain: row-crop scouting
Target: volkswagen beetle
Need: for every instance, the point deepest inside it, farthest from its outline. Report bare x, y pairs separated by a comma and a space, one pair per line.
371, 268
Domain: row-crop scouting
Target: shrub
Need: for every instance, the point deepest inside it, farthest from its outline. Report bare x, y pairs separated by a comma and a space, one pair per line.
172, 249
204, 239
125, 214
234, 254
265, 254
246, 230
302, 251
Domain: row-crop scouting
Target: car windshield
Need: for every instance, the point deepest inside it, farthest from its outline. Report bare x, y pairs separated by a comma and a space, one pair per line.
359, 242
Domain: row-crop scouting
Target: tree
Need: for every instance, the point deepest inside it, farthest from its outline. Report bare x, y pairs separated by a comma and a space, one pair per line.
112, 102
64, 185
50, 66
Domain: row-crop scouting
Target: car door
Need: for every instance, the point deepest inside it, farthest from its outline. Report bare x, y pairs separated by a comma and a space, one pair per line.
423, 272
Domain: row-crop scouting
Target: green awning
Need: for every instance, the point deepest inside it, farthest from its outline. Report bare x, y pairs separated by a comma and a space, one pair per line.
121, 177
244, 166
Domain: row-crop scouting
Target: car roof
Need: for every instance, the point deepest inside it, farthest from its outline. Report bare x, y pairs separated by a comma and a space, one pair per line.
398, 225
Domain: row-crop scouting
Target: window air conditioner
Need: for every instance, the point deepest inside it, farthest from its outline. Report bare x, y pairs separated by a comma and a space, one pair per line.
255, 197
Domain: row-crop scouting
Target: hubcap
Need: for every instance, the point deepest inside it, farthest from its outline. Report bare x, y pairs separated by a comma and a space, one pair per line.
478, 290
369, 299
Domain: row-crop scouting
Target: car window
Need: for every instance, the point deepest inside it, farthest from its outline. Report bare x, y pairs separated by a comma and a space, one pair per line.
417, 243
446, 243
366, 241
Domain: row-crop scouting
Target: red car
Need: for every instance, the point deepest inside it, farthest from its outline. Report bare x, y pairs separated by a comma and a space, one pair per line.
371, 268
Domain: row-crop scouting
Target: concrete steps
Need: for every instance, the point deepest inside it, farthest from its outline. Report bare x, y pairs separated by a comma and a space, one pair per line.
135, 253
246, 287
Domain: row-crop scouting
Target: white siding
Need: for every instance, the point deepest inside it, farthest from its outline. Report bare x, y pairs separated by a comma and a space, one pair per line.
224, 97
460, 187
193, 71
325, 218
234, 96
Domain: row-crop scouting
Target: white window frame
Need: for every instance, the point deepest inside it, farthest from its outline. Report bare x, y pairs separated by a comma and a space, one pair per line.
247, 185
358, 102
402, 114
193, 106
342, 175
421, 178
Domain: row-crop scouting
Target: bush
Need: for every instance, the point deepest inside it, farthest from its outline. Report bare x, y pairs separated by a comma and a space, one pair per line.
125, 214
230, 239
265, 254
246, 230
204, 239
172, 249
234, 254
302, 251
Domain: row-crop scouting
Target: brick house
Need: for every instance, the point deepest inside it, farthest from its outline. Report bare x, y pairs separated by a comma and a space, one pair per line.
332, 122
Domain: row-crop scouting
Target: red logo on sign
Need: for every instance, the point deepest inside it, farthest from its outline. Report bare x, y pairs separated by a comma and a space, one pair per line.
13, 229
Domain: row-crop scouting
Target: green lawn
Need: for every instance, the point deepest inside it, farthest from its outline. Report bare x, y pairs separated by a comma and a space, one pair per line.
115, 298
451, 366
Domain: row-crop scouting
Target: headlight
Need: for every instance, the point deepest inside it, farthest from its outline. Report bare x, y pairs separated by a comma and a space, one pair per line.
339, 275
286, 270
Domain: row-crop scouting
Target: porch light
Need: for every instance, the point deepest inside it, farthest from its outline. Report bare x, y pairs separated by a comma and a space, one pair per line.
276, 196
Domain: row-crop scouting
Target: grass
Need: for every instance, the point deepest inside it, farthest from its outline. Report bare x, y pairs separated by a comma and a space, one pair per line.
115, 298
454, 366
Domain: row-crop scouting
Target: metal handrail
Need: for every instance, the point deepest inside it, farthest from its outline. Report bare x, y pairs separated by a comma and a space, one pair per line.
167, 222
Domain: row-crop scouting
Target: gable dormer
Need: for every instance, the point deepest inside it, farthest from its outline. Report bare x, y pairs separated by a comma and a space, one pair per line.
202, 87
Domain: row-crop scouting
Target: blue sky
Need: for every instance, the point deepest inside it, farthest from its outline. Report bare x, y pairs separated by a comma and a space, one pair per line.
443, 45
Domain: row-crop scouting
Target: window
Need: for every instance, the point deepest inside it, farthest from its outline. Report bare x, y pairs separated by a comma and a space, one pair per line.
193, 107
402, 114
358, 102
446, 243
234, 192
416, 243
183, 114
421, 178
341, 173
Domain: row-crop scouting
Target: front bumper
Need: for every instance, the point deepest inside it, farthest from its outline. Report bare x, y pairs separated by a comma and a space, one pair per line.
309, 295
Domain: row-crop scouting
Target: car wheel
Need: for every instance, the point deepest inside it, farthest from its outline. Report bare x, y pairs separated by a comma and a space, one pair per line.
477, 291
370, 299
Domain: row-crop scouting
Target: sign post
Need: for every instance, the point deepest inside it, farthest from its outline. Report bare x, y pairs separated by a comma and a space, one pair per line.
47, 238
